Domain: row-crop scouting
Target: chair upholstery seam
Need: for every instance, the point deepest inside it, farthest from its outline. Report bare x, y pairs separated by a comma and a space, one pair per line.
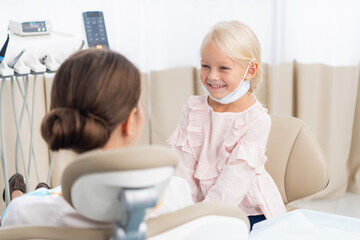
287, 163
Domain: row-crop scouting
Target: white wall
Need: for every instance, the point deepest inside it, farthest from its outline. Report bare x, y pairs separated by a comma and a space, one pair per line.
160, 34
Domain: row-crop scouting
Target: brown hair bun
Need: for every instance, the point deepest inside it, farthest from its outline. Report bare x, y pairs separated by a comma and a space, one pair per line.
93, 92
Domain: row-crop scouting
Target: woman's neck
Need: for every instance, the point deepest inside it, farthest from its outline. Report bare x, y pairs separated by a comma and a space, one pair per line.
116, 139
239, 105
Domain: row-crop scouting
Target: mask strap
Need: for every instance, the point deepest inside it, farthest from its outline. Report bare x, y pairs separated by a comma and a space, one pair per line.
247, 69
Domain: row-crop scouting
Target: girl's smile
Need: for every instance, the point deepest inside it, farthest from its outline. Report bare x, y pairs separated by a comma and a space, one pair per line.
216, 87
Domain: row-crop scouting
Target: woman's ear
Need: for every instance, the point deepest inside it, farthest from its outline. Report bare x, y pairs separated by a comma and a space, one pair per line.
128, 127
132, 127
252, 70
127, 133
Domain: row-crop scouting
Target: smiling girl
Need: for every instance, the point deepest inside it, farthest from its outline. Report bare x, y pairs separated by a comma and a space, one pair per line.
222, 137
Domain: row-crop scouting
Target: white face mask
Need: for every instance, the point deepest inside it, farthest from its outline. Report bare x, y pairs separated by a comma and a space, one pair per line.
240, 91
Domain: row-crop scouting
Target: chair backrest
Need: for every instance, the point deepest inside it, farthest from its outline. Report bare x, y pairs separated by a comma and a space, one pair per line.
295, 159
92, 183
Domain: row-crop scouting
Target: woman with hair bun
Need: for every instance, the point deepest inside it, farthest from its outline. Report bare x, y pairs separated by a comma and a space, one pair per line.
94, 104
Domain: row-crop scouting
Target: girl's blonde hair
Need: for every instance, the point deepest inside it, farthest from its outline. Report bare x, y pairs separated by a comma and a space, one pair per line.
239, 43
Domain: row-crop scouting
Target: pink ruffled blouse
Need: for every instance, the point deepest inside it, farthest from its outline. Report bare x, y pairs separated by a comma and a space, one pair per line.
222, 157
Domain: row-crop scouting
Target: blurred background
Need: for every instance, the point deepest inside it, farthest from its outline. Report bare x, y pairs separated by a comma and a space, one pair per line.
160, 34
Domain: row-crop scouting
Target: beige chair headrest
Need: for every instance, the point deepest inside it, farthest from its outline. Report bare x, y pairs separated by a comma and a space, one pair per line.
124, 159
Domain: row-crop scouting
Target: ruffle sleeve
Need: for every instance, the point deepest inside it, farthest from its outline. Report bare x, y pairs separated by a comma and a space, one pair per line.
251, 153
189, 133
187, 139
179, 140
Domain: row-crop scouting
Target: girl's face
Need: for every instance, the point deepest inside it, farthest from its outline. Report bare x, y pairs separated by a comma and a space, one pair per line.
219, 73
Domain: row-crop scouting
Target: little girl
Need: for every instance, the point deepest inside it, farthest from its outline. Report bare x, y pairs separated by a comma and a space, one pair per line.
222, 137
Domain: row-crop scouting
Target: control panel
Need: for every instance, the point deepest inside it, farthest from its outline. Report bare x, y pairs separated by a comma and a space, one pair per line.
30, 27
95, 29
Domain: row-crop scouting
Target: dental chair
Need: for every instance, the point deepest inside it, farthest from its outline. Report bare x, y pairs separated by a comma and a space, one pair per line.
295, 159
119, 186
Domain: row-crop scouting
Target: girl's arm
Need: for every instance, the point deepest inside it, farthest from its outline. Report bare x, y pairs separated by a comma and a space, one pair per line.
187, 163
186, 169
232, 184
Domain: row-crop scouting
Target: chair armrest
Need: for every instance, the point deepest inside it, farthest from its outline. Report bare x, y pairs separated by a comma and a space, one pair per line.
172, 220
54, 233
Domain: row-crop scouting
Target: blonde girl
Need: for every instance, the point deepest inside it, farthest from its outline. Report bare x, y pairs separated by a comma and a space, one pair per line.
221, 137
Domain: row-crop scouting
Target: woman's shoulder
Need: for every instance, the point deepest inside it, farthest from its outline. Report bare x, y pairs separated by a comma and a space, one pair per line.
38, 197
22, 210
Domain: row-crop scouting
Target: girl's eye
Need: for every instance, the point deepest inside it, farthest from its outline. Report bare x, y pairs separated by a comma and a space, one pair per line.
205, 66
224, 68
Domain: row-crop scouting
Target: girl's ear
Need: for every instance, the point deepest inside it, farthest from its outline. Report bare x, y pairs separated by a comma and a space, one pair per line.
252, 70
